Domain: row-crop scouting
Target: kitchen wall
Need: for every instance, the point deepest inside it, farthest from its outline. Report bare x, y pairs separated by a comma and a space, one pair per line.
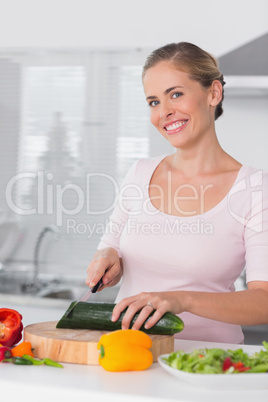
243, 129
217, 26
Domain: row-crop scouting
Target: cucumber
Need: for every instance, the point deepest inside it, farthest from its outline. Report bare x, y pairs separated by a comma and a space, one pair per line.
97, 316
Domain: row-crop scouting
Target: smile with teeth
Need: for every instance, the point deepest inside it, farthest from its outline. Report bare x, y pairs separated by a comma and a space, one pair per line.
175, 126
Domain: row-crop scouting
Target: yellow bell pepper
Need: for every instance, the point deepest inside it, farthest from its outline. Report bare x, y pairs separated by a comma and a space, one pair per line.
132, 336
125, 350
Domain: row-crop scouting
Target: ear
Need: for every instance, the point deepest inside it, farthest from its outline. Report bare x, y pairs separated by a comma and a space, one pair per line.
215, 93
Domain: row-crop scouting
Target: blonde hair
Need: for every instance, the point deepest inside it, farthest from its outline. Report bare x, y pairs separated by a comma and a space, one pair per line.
187, 57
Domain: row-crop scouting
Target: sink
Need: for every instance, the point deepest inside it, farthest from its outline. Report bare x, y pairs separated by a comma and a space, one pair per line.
75, 292
50, 286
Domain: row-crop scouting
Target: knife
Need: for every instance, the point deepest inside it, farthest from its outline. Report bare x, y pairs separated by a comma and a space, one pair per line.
85, 296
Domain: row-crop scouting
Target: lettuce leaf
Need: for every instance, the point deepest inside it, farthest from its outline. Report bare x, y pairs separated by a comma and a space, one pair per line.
210, 361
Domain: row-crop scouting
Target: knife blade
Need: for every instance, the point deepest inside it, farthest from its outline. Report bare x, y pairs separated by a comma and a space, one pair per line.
85, 296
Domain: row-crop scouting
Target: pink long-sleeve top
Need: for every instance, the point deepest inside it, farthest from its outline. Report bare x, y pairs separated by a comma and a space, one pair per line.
204, 252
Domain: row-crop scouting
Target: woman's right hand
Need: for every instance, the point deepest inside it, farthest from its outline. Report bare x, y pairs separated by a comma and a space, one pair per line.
107, 265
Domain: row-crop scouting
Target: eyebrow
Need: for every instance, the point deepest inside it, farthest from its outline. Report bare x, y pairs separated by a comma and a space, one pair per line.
167, 91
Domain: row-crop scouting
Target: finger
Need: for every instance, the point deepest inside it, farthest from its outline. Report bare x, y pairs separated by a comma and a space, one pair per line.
136, 304
112, 273
95, 259
129, 315
89, 267
154, 319
121, 306
97, 271
142, 317
103, 286
90, 272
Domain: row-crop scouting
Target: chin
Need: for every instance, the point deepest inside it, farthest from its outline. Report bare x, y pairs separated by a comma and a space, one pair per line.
176, 143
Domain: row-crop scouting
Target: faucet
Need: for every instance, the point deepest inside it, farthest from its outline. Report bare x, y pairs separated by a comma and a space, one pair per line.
51, 228
36, 284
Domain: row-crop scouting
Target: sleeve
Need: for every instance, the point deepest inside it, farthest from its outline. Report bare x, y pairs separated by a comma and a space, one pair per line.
120, 214
256, 229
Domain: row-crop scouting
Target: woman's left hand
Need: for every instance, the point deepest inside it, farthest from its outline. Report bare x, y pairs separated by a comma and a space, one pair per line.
161, 302
246, 307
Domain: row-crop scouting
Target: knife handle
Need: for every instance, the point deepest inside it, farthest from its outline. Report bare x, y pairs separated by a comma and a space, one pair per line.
96, 287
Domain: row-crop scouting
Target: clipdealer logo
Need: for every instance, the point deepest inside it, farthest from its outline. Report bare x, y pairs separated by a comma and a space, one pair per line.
133, 226
254, 218
52, 198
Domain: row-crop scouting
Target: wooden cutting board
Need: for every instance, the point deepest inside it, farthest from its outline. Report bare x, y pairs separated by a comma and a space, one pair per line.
79, 345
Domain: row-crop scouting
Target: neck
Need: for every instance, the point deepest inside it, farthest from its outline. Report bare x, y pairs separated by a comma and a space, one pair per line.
205, 158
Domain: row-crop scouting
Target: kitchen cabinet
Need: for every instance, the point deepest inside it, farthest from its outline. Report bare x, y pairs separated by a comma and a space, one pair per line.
244, 85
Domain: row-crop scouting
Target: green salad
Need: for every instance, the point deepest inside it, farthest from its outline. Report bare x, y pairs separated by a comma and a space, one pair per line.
219, 361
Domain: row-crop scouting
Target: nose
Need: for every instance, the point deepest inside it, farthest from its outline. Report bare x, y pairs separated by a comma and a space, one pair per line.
166, 110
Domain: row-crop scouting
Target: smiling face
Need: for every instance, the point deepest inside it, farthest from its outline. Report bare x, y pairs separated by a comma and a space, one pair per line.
181, 109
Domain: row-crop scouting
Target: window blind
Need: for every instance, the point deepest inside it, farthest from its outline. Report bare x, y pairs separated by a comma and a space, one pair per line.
72, 123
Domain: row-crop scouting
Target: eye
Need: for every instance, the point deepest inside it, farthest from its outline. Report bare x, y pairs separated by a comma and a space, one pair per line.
153, 103
177, 95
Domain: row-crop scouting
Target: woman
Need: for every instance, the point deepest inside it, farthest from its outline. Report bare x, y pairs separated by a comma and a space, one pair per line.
187, 224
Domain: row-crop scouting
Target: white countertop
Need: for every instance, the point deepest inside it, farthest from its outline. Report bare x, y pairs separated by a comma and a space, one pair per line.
93, 383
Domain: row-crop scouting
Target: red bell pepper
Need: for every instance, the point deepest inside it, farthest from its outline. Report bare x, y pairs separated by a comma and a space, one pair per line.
227, 363
239, 366
11, 327
5, 353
